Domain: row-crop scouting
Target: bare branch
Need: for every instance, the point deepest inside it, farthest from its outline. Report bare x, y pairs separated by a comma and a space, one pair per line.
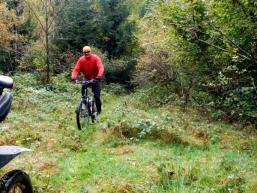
219, 48
222, 49
231, 41
10, 49
34, 13
56, 15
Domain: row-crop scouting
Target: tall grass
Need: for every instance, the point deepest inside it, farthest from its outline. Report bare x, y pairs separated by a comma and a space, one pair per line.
131, 149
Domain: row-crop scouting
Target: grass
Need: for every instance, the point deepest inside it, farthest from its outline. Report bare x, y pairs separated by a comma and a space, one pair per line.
132, 149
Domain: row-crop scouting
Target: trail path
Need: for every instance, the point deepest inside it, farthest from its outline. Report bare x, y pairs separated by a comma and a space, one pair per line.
130, 150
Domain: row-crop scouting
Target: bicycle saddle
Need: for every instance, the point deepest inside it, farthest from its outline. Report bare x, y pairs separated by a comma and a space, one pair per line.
7, 153
6, 82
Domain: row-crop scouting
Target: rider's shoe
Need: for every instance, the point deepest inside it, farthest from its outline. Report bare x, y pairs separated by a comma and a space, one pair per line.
97, 117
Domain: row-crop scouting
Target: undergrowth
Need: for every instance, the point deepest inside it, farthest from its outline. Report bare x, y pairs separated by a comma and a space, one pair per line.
132, 149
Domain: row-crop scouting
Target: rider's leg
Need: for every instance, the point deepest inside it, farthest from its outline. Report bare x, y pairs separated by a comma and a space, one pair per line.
97, 91
83, 90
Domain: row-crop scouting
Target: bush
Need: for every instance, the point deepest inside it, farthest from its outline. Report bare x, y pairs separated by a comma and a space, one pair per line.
148, 129
120, 71
240, 104
65, 63
157, 96
202, 57
116, 88
156, 65
33, 60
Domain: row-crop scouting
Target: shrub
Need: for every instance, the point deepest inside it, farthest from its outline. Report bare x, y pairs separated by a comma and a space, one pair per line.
65, 62
155, 66
120, 71
116, 88
33, 59
202, 56
157, 95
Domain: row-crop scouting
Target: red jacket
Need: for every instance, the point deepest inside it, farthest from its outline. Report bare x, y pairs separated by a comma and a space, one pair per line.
91, 67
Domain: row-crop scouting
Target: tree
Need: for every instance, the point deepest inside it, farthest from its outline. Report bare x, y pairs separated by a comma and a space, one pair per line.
117, 31
103, 24
44, 12
210, 47
16, 30
7, 19
83, 29
217, 48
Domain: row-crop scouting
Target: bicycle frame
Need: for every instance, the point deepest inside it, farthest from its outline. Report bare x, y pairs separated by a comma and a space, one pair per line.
85, 96
87, 101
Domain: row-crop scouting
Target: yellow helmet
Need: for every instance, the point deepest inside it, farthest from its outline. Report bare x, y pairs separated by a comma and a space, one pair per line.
86, 49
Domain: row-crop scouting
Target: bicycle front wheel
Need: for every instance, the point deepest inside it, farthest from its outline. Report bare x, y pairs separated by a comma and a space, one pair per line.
93, 110
15, 181
82, 116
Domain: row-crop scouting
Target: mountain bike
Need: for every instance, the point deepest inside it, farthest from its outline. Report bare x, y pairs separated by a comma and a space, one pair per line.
86, 109
15, 180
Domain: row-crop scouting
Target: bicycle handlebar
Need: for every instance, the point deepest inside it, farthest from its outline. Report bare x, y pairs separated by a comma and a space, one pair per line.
85, 82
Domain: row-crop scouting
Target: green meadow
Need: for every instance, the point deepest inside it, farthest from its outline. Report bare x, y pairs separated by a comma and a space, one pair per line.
134, 147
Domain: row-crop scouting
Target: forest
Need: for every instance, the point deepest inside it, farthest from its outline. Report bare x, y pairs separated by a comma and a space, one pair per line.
179, 94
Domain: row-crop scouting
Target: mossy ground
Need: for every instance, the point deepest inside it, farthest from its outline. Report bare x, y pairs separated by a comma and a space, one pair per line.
131, 149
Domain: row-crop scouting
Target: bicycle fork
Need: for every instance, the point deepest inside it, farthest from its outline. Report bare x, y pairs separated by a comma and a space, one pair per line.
89, 105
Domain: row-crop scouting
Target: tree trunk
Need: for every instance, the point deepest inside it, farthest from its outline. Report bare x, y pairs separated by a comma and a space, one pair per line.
47, 44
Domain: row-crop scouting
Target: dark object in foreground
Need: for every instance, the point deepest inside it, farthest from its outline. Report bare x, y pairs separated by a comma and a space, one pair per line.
15, 180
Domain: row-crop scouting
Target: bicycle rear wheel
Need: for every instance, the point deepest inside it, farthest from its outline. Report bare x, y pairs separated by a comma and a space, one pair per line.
82, 116
15, 181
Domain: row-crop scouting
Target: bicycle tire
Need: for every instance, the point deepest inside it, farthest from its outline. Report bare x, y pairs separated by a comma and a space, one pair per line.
93, 108
16, 179
82, 116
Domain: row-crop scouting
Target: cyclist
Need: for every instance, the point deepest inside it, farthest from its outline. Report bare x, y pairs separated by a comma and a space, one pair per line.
91, 67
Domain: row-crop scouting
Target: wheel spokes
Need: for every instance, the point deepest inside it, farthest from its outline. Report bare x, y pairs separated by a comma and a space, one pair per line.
84, 118
17, 188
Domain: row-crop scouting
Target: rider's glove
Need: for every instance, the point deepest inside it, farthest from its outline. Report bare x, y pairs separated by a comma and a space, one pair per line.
72, 79
98, 78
